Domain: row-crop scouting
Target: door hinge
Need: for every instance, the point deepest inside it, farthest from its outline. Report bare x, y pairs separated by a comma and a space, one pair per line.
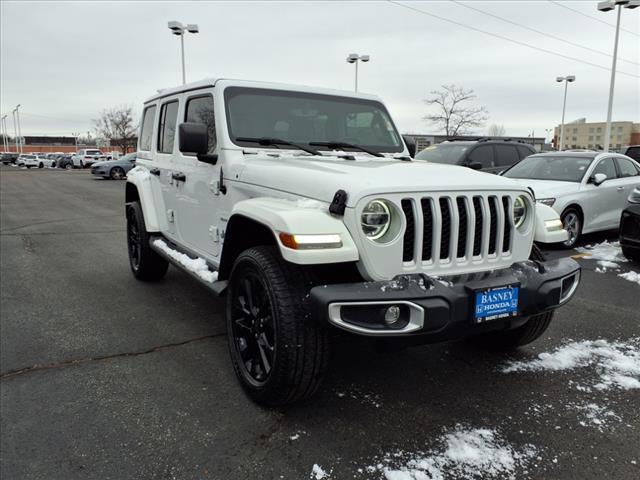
170, 216
214, 234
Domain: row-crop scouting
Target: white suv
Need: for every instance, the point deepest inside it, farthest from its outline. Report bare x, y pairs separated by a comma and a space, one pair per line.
87, 157
304, 207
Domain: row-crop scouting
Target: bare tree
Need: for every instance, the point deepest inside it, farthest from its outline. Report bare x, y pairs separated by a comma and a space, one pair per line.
452, 113
496, 130
117, 126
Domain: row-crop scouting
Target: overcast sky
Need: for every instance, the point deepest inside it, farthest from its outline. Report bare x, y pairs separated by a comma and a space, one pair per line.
66, 61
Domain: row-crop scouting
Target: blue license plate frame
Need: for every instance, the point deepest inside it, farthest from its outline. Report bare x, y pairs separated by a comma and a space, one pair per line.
496, 303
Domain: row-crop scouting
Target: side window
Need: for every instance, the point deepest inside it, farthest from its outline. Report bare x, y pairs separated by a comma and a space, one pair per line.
626, 167
607, 167
506, 155
147, 128
200, 110
482, 154
633, 152
167, 127
524, 151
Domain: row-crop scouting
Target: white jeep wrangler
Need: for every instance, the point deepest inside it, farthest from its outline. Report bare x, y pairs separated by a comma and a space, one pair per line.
305, 208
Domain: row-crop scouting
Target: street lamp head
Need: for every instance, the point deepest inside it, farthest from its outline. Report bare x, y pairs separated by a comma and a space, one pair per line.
571, 78
352, 58
176, 27
606, 6
632, 4
192, 28
364, 58
559, 79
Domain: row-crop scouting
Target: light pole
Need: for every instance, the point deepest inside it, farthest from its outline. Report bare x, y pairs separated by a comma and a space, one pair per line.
606, 7
19, 129
5, 140
15, 130
179, 29
354, 58
568, 79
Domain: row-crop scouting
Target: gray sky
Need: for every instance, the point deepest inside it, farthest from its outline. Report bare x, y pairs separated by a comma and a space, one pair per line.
66, 61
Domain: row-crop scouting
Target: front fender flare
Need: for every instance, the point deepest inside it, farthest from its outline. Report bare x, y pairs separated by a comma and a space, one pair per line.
544, 213
300, 217
141, 179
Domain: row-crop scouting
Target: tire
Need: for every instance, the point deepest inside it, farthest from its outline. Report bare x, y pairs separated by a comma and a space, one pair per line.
279, 354
632, 255
68, 166
81, 164
116, 173
572, 222
535, 326
53, 164
41, 165
145, 263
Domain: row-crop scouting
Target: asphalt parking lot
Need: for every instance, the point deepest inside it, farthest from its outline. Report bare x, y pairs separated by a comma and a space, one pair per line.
105, 377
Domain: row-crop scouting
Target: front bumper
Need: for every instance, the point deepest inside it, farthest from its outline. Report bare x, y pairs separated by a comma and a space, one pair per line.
102, 172
435, 309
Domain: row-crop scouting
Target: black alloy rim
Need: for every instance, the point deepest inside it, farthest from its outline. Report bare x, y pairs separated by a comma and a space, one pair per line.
133, 239
253, 328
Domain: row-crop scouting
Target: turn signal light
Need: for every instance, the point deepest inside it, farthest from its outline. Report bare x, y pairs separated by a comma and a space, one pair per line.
308, 242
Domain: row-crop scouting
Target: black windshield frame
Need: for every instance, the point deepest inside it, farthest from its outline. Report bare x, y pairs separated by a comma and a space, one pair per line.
232, 91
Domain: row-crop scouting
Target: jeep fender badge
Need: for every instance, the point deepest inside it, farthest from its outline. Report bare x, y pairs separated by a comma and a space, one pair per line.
339, 203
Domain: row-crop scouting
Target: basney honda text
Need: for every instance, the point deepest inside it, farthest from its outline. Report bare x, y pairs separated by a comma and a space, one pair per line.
304, 206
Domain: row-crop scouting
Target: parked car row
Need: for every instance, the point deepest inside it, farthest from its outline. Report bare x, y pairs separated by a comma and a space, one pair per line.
587, 188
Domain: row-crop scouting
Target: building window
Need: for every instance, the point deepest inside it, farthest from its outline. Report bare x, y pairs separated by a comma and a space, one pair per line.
619, 129
574, 138
590, 137
575, 130
619, 137
599, 129
591, 130
598, 138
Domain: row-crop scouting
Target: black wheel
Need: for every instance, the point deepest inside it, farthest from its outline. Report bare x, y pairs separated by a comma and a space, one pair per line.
68, 166
145, 263
81, 164
279, 353
117, 173
572, 222
53, 164
41, 165
517, 337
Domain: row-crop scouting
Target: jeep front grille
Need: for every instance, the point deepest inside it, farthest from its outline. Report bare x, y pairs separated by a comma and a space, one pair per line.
453, 228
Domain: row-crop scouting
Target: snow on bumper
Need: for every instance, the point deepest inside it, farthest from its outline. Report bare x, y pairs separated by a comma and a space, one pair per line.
435, 309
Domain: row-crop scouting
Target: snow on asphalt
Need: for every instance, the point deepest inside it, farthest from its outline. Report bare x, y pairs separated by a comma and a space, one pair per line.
463, 453
631, 276
608, 256
614, 364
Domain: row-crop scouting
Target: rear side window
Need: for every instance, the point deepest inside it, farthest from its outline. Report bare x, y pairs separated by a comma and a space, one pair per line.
626, 167
506, 155
524, 152
200, 110
167, 127
147, 128
483, 155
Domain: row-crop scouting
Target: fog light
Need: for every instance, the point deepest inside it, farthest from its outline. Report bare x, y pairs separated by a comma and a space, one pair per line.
392, 315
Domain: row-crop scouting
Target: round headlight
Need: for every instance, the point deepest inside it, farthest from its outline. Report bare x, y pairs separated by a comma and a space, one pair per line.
376, 218
519, 211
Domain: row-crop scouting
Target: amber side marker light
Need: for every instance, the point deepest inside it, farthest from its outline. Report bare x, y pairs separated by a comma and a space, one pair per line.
309, 242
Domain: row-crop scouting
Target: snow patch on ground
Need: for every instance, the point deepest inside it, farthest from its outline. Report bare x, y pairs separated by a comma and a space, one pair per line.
195, 265
606, 251
366, 398
617, 364
631, 276
596, 415
604, 265
463, 453
317, 473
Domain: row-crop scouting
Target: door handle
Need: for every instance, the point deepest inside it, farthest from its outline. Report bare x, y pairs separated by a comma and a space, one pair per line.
155, 171
179, 176
620, 189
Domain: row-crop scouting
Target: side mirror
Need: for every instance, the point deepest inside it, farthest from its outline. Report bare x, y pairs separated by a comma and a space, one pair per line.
598, 178
410, 142
195, 139
474, 165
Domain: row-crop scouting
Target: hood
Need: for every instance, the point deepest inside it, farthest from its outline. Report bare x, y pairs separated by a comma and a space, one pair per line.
549, 188
320, 178
103, 163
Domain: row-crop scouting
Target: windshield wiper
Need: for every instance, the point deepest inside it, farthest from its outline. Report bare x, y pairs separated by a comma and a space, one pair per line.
278, 141
336, 145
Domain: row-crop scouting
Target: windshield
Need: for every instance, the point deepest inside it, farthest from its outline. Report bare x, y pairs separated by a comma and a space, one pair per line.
93, 152
561, 168
443, 153
304, 118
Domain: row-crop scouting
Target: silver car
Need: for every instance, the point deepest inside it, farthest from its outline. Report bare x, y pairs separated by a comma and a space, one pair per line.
589, 190
114, 169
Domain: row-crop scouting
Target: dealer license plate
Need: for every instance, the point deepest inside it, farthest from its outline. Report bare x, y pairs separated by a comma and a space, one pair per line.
496, 303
